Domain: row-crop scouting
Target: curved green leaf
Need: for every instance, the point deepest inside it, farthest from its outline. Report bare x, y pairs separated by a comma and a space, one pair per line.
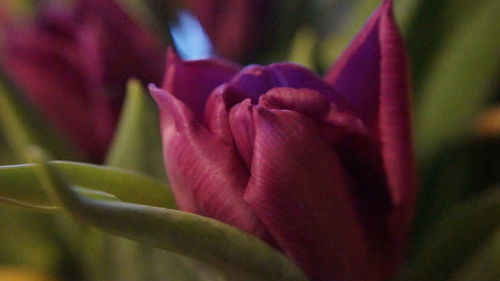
484, 265
460, 82
137, 142
237, 254
19, 184
455, 237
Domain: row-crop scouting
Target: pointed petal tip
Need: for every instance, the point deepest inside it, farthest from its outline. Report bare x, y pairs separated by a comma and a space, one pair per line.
158, 94
153, 89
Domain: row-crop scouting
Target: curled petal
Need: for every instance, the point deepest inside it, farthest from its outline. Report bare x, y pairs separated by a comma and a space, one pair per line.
241, 122
193, 81
300, 190
316, 106
305, 101
205, 172
255, 80
216, 116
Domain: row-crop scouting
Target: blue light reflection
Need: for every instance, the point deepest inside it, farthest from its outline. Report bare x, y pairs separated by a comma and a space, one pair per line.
190, 40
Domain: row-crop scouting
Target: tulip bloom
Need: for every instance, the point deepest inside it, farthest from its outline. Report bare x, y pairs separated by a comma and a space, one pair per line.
234, 26
73, 65
321, 168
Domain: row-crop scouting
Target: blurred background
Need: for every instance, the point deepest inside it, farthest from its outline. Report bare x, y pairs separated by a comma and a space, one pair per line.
89, 46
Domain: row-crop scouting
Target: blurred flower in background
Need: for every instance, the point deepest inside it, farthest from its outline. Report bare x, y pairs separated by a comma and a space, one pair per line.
72, 62
236, 27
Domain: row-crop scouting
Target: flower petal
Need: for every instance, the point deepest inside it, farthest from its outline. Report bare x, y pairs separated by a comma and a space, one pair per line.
236, 27
356, 73
359, 155
205, 173
193, 81
125, 44
299, 190
242, 128
37, 56
372, 75
255, 80
305, 101
395, 128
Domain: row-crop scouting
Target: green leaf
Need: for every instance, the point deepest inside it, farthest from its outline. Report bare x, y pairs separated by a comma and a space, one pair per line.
484, 265
19, 185
459, 173
455, 237
137, 142
428, 31
237, 254
406, 12
23, 128
302, 47
27, 240
460, 81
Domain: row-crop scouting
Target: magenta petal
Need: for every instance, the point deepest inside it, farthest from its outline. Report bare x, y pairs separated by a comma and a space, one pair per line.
372, 75
37, 56
305, 101
394, 127
255, 80
356, 74
241, 122
300, 191
310, 103
129, 49
205, 173
193, 81
216, 116
73, 63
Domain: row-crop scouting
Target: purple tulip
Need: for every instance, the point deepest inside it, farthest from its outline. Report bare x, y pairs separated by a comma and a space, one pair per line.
73, 65
320, 168
234, 26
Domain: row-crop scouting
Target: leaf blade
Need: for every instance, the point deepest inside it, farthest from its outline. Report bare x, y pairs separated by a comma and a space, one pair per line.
228, 249
19, 183
137, 143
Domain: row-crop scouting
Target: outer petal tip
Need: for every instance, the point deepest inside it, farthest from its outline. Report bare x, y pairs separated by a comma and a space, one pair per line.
156, 93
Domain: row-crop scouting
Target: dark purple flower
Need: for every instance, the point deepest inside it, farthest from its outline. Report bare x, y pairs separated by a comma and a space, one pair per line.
321, 168
73, 63
234, 26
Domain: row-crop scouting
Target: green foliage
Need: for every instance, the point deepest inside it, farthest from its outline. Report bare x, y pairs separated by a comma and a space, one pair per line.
459, 82
19, 184
241, 256
137, 142
484, 264
454, 238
